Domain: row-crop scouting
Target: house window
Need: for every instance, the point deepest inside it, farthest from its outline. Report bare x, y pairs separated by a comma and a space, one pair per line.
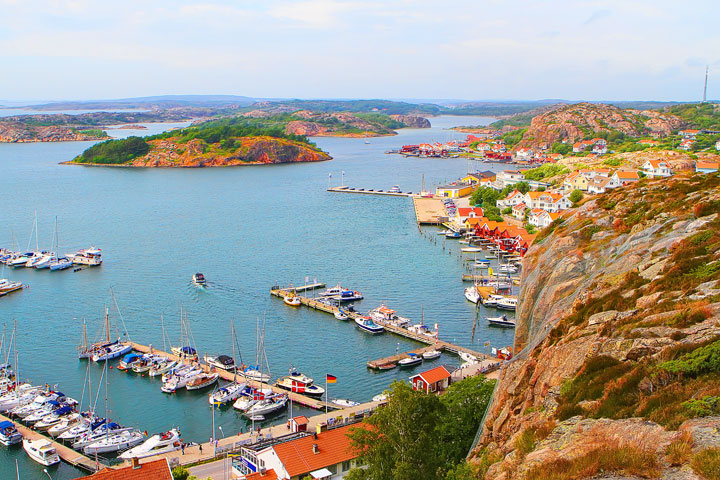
345, 466
420, 384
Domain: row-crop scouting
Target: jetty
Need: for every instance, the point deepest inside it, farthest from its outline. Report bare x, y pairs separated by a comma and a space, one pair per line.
297, 398
67, 454
429, 211
489, 278
345, 189
431, 342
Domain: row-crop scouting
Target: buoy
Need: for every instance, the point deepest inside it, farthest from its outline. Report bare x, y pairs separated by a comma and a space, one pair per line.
111, 366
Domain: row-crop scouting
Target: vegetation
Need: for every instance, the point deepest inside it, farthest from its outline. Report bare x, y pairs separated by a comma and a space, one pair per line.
513, 137
707, 463
522, 187
381, 119
575, 196
115, 151
699, 115
519, 120
544, 171
484, 197
421, 436
93, 132
678, 452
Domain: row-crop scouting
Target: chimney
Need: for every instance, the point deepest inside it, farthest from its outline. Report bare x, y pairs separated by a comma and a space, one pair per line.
135, 463
316, 450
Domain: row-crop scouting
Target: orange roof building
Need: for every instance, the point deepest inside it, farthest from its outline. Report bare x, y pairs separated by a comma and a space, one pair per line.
157, 470
431, 381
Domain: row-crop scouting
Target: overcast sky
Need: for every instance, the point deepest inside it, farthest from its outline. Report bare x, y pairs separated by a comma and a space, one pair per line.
476, 49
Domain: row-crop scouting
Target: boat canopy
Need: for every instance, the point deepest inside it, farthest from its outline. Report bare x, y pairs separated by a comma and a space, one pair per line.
130, 356
64, 410
188, 350
386, 310
225, 360
54, 403
6, 424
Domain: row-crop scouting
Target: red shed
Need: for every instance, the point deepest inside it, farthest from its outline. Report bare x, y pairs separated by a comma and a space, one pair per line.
432, 381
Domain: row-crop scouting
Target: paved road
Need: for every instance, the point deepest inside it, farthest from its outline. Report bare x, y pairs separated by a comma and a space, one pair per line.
219, 470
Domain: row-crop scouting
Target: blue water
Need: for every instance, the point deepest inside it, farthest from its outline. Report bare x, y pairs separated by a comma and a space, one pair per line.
245, 228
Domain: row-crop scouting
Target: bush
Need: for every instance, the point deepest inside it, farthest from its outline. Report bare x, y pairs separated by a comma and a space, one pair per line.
180, 473
702, 407
114, 152
707, 463
545, 171
507, 211
678, 452
613, 162
702, 360
576, 196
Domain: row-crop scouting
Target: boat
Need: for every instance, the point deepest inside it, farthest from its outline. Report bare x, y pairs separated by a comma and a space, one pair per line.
491, 300
340, 315
145, 363
411, 360
178, 381
507, 269
507, 303
470, 249
162, 366
20, 259
383, 314
90, 256
367, 324
222, 362
9, 435
468, 358
186, 352
267, 406
422, 329
431, 354
128, 361
157, 444
395, 189
252, 373
114, 443
11, 287
502, 321
257, 418
298, 383
471, 293
60, 264
103, 431
43, 260
344, 403
47, 409
227, 393
66, 424
89, 424
292, 299
55, 417
199, 279
201, 381
114, 350
382, 397
42, 451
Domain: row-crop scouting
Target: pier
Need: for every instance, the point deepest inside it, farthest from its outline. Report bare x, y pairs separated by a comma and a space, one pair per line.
488, 278
67, 454
429, 211
369, 192
431, 342
298, 398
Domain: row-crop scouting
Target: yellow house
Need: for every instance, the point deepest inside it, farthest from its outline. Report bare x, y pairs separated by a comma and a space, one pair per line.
478, 177
454, 191
576, 181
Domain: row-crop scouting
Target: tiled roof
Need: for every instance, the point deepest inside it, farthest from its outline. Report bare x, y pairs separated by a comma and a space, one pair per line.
157, 470
434, 375
268, 475
333, 447
623, 174
708, 164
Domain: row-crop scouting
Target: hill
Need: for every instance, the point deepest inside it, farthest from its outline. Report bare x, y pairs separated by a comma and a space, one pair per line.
159, 101
618, 334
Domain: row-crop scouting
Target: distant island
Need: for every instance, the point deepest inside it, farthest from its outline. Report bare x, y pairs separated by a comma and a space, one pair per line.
220, 143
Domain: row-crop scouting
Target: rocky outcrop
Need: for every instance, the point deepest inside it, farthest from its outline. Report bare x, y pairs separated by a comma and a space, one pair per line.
575, 122
20, 133
412, 121
616, 285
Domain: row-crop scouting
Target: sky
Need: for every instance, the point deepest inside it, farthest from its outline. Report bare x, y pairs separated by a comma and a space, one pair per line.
476, 49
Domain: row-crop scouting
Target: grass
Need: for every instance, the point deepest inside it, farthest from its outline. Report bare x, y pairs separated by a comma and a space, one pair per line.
707, 463
608, 458
679, 451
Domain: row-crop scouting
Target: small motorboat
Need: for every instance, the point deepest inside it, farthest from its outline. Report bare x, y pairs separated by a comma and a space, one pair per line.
431, 354
502, 321
267, 406
81, 429
292, 299
299, 383
257, 418
411, 360
383, 315
491, 300
395, 188
382, 397
367, 324
222, 362
201, 381
199, 279
451, 234
471, 293
343, 403
128, 361
162, 366
9, 435
157, 444
507, 303
227, 394
470, 249
60, 264
41, 451
340, 315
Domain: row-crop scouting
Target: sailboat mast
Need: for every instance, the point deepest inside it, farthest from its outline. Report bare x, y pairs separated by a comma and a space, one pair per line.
107, 323
37, 245
232, 332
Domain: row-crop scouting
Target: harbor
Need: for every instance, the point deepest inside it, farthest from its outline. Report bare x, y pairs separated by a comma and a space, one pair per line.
429, 211
345, 189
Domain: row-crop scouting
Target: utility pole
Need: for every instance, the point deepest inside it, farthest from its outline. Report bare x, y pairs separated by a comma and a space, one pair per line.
705, 89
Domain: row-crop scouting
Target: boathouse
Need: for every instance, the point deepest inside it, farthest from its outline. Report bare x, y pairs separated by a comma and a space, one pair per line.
431, 381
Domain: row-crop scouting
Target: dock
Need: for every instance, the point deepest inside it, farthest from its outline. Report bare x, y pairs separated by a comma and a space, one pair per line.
297, 398
67, 454
345, 189
429, 211
486, 278
431, 343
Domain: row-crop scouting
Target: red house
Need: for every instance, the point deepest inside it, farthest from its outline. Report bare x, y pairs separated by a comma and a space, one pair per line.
432, 381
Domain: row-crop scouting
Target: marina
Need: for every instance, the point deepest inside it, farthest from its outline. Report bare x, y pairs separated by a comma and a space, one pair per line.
345, 189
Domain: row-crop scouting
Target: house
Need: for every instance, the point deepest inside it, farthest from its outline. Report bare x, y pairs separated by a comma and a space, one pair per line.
156, 470
656, 168
484, 147
515, 197
688, 133
455, 190
509, 177
649, 143
706, 166
554, 157
298, 424
541, 218
599, 146
524, 153
431, 381
464, 213
471, 222
478, 177
599, 185
576, 181
623, 177
518, 211
552, 202
326, 455
717, 145
578, 147
686, 144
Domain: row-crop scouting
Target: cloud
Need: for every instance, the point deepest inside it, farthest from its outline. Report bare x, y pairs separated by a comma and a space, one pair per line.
596, 16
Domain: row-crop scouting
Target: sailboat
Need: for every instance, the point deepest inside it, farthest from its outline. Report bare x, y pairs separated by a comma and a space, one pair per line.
186, 349
162, 365
255, 372
110, 349
231, 391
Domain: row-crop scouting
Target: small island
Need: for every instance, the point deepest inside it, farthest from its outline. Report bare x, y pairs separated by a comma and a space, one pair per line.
220, 143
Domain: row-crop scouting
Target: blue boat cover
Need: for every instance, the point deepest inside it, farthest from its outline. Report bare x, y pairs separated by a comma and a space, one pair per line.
53, 402
189, 350
6, 424
64, 410
130, 356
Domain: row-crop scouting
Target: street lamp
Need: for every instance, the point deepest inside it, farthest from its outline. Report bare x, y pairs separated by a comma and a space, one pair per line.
46, 473
221, 431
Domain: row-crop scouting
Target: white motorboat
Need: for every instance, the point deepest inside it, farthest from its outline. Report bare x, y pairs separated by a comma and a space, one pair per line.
43, 261
55, 417
470, 249
60, 264
9, 435
37, 415
267, 406
340, 315
292, 300
178, 381
468, 358
492, 300
507, 269
431, 355
411, 360
157, 444
114, 443
422, 329
41, 451
395, 188
502, 321
65, 424
90, 256
227, 393
507, 303
145, 363
380, 397
11, 287
38, 402
223, 362
21, 396
162, 366
367, 324
20, 259
244, 402
383, 314
201, 381
199, 279
297, 386
471, 293
343, 403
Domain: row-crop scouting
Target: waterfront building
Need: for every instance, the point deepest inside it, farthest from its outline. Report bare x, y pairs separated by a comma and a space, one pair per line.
432, 381
454, 190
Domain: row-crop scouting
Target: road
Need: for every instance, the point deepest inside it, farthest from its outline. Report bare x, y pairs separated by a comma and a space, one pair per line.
219, 470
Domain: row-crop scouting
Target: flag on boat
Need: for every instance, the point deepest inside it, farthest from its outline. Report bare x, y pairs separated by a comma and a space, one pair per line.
330, 378
329, 175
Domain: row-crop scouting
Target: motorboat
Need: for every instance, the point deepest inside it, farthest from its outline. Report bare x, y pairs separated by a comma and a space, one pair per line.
340, 315
383, 314
40, 413
343, 403
42, 451
299, 383
367, 324
223, 362
253, 373
20, 259
60, 264
422, 329
157, 444
471, 293
411, 360
395, 189
145, 363
103, 431
9, 435
502, 321
507, 303
507, 269
292, 299
267, 406
162, 366
431, 354
11, 287
109, 352
333, 291
199, 279
451, 234
382, 397
114, 443
55, 417
468, 358
66, 424
201, 381
38, 402
187, 352
128, 361
492, 300
43, 260
244, 402
180, 370
227, 393
21, 396
90, 256
470, 249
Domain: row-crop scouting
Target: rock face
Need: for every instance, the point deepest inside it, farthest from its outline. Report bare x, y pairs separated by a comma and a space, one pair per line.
574, 122
412, 121
598, 289
20, 133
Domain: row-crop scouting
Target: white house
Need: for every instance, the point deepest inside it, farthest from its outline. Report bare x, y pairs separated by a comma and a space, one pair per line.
552, 202
541, 218
707, 166
599, 185
622, 177
514, 198
518, 211
524, 153
656, 168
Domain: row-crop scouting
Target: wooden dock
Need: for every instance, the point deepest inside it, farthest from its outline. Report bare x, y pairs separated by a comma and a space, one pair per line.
431, 342
429, 211
66, 453
345, 189
298, 398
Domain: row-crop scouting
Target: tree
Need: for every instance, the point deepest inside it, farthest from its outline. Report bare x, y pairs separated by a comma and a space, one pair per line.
485, 197
522, 187
576, 195
507, 211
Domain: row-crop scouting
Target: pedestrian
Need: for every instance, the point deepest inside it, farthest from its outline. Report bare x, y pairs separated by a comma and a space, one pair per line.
182, 448
201, 449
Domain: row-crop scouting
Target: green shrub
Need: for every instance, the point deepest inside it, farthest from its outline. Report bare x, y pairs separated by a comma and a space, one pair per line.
702, 407
702, 360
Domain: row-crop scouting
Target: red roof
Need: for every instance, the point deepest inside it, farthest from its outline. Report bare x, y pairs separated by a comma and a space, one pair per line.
301, 420
268, 475
434, 375
333, 447
157, 470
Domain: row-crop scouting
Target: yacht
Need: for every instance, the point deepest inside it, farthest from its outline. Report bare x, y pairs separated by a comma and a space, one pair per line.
187, 352
343, 403
42, 261
199, 279
395, 189
145, 363
157, 444
266, 406
9, 435
366, 324
103, 431
507, 269
60, 264
223, 362
21, 396
471, 293
502, 321
47, 409
178, 381
492, 300
90, 256
201, 381
507, 303
128, 361
162, 366
11, 287
109, 352
383, 314
252, 373
20, 259
431, 354
410, 360
114, 443
41, 451
299, 383
66, 424
55, 417
422, 329
227, 394
82, 428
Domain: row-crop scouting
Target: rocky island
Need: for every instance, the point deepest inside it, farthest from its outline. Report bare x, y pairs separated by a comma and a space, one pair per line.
222, 143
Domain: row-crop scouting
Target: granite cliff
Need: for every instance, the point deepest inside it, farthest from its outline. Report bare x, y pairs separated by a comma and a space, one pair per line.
618, 334
15, 132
